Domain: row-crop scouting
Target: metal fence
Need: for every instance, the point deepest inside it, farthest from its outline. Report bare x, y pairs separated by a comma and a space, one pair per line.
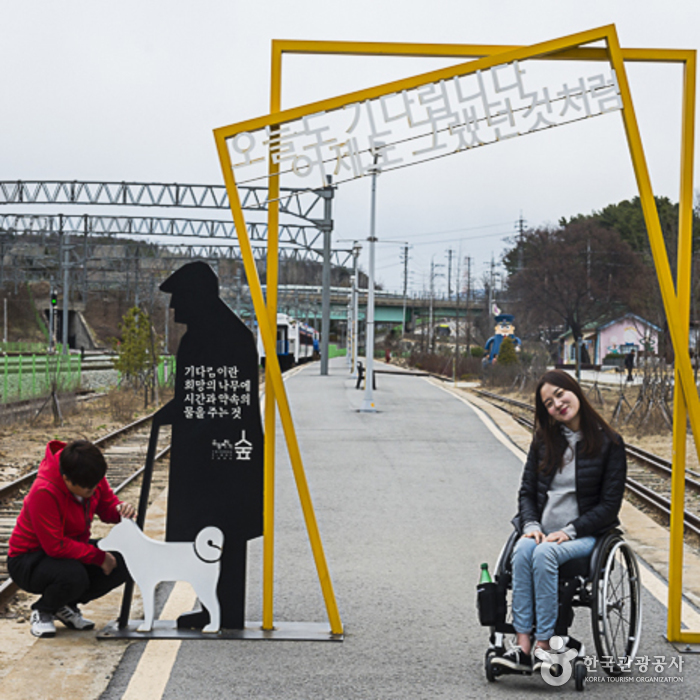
29, 376
335, 351
26, 348
166, 371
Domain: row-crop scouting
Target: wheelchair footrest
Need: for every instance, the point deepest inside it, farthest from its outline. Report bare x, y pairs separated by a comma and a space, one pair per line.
505, 671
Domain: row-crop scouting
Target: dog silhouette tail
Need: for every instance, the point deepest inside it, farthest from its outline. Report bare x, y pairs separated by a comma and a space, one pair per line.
209, 544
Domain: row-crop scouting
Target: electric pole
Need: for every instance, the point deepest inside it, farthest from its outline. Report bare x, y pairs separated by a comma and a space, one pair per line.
520, 228
491, 276
405, 288
431, 330
430, 308
466, 315
449, 274
65, 239
368, 401
326, 225
456, 361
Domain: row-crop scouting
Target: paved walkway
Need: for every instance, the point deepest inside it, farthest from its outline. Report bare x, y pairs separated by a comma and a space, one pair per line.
409, 502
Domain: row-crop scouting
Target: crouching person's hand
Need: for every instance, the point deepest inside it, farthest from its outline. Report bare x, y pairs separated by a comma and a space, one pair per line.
109, 564
126, 510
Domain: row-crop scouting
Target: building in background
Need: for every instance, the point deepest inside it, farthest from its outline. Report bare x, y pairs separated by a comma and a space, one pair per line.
612, 339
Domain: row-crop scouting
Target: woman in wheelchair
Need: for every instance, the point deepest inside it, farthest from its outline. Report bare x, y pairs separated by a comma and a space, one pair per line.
571, 491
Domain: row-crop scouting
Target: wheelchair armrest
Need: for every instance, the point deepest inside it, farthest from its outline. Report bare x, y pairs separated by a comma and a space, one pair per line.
503, 562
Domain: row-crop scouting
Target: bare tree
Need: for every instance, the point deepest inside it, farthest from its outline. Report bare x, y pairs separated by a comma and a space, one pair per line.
573, 275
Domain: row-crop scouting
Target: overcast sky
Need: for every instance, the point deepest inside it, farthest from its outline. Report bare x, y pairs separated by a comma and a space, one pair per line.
132, 91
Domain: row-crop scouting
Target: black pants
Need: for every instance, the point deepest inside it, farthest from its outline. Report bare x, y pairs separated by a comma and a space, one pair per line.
63, 581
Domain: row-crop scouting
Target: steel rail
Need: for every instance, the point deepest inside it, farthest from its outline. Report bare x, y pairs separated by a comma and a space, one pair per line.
138, 473
8, 489
661, 504
11, 409
658, 464
663, 466
8, 588
505, 399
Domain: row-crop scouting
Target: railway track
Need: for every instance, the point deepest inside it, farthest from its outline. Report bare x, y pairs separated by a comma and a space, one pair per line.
29, 408
125, 452
648, 475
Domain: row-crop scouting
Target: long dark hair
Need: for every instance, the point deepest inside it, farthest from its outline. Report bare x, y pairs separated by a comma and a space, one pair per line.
548, 430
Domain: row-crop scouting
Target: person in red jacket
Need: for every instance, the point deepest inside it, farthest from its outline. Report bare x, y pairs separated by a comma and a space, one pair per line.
50, 550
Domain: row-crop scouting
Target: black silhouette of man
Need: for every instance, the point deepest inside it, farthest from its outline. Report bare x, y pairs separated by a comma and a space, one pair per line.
216, 458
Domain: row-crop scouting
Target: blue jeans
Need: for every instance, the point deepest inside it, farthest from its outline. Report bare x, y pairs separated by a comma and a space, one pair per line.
536, 581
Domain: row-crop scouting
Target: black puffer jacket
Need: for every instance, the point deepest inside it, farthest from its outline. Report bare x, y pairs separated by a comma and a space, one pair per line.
600, 486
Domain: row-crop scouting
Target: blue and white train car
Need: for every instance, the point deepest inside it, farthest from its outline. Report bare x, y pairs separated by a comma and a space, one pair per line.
295, 342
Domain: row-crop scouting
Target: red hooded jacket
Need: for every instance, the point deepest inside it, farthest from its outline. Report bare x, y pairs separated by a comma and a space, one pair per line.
52, 518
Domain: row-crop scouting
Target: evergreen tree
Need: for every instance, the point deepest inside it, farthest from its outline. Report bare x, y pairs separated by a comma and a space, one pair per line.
506, 353
137, 354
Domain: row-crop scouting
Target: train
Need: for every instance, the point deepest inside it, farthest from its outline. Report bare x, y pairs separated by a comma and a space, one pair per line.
296, 342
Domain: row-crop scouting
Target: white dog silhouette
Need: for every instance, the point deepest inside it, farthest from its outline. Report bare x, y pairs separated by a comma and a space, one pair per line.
150, 562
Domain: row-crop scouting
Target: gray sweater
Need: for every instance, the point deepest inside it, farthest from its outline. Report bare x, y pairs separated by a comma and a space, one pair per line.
561, 507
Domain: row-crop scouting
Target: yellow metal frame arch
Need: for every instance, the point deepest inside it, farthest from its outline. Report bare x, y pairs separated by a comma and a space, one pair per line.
676, 303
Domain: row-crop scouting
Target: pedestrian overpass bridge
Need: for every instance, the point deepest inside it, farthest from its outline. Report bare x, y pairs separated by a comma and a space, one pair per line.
304, 302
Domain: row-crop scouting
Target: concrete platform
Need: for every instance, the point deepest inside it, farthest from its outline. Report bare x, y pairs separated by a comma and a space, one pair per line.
409, 501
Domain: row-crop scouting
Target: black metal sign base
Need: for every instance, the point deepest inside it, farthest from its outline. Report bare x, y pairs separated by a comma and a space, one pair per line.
283, 631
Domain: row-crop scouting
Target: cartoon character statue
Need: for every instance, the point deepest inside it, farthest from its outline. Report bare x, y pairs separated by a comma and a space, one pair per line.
504, 329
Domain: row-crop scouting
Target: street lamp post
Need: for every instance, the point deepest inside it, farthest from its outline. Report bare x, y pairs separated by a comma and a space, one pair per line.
66, 296
355, 310
348, 334
327, 227
368, 402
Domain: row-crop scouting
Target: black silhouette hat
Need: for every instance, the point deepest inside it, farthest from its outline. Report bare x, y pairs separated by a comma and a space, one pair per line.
194, 278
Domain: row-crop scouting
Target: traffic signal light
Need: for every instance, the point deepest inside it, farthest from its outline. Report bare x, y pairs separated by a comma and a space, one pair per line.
54, 299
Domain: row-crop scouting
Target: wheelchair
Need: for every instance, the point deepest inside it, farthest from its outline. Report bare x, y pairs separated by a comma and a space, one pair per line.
607, 582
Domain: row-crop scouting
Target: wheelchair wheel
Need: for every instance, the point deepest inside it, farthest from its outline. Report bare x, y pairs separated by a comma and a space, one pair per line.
491, 671
617, 606
580, 671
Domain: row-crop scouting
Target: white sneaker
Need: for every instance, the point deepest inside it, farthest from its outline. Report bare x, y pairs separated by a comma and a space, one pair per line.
42, 624
71, 617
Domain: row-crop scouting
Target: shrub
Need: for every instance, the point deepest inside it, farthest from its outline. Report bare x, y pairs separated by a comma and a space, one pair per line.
500, 375
443, 364
122, 405
506, 353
